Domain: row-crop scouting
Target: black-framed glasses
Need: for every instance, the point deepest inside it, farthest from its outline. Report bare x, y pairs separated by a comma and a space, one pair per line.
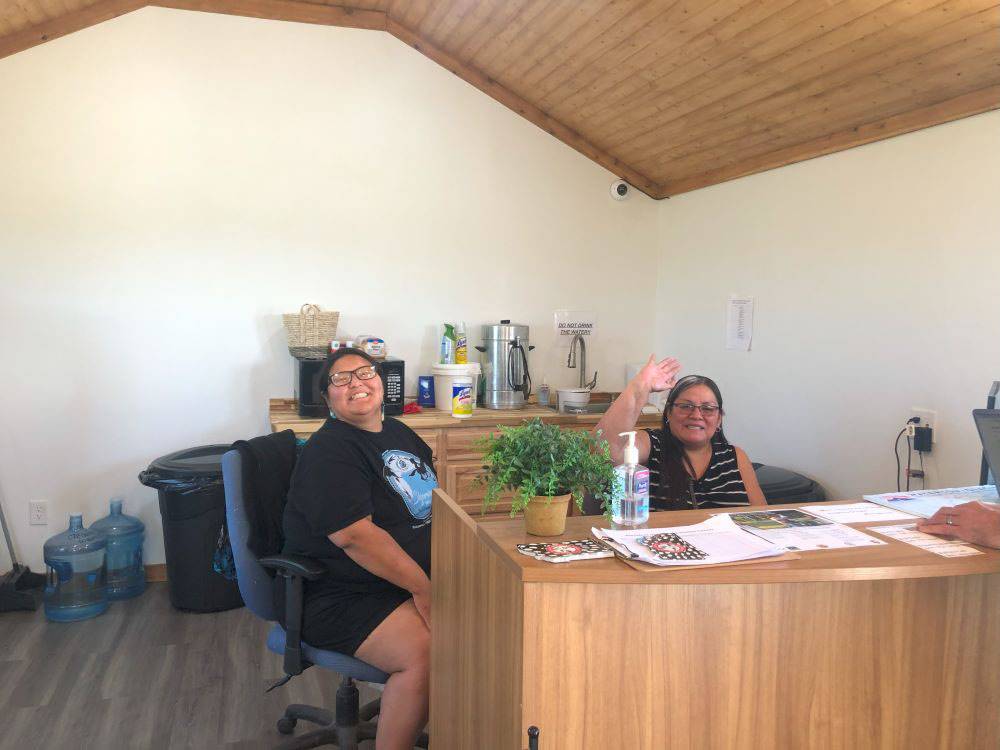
707, 410
342, 378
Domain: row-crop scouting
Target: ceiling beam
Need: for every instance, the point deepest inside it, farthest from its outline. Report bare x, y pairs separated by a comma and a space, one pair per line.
973, 103
285, 10
67, 24
530, 112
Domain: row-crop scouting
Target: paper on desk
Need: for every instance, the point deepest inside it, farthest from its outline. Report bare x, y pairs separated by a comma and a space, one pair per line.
717, 540
795, 531
739, 323
908, 533
857, 513
926, 503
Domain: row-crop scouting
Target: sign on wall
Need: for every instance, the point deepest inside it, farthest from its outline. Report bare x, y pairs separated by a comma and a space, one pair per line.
739, 323
569, 323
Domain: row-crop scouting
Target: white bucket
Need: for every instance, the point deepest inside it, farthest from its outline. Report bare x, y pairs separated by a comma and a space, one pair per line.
444, 374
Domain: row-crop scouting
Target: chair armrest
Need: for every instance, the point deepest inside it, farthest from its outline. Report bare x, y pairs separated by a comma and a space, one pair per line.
293, 569
295, 565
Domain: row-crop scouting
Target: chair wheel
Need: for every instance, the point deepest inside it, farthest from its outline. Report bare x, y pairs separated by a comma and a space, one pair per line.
286, 725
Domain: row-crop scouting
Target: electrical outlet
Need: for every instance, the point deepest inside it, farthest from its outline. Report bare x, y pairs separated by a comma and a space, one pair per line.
928, 418
38, 512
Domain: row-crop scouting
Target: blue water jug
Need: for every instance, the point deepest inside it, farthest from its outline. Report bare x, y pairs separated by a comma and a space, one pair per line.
76, 584
126, 576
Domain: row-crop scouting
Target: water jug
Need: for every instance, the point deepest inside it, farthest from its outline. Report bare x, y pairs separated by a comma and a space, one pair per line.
76, 584
126, 576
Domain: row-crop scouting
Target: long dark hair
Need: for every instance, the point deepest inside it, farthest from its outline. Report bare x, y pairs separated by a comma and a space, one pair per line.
676, 471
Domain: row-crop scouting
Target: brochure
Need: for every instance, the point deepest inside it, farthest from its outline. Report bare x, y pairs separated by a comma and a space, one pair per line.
926, 503
717, 540
857, 513
795, 531
945, 547
557, 552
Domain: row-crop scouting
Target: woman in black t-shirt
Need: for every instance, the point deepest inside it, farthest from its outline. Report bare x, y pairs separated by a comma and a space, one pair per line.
360, 502
691, 463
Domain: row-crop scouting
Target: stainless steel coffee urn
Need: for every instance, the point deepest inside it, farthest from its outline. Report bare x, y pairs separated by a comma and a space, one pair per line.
505, 365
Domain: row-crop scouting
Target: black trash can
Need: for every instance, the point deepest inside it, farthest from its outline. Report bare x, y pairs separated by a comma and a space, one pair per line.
193, 510
783, 486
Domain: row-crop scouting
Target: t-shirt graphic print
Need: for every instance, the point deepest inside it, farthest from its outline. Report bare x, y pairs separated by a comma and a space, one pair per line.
413, 480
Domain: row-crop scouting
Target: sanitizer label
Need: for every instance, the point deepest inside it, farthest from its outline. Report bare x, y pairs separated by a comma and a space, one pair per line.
641, 486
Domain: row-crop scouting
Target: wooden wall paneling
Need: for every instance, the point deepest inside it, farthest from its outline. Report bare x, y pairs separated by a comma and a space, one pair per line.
973, 103
285, 10
775, 95
527, 110
504, 12
594, 98
66, 24
477, 610
562, 22
479, 14
512, 34
870, 99
567, 42
724, 71
409, 12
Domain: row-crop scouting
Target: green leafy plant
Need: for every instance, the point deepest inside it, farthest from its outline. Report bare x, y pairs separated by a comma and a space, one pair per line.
538, 459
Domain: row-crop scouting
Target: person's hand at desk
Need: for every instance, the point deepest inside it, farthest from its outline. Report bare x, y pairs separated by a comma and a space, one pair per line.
971, 522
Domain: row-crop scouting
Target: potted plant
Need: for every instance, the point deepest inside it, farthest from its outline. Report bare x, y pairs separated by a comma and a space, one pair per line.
545, 466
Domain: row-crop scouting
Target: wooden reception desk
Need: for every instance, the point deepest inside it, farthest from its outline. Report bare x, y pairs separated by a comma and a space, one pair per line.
882, 647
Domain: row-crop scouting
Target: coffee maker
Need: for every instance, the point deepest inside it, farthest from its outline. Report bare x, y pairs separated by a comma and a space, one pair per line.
309, 391
507, 382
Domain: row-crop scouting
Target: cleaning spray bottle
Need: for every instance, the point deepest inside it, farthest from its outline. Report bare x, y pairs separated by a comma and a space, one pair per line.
448, 345
630, 506
461, 345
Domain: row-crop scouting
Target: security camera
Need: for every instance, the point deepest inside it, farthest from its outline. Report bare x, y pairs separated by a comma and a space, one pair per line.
620, 190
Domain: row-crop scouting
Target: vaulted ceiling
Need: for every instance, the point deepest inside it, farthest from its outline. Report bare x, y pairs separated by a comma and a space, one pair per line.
670, 95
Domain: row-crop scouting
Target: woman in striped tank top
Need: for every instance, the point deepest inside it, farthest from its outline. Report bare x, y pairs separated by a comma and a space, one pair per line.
691, 464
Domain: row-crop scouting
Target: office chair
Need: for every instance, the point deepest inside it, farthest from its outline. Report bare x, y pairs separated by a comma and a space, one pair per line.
351, 722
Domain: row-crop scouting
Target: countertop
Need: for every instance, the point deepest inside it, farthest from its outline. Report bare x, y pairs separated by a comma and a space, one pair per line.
283, 415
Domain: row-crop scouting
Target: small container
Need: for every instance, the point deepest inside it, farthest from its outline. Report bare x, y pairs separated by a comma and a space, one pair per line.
126, 575
76, 585
543, 395
425, 390
461, 397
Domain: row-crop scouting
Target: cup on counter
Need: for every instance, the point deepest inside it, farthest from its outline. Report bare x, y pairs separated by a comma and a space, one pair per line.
425, 390
543, 395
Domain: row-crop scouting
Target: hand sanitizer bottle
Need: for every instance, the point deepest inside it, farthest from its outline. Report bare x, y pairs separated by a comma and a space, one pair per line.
630, 506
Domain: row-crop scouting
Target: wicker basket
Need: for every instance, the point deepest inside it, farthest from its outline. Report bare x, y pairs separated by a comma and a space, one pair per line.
310, 332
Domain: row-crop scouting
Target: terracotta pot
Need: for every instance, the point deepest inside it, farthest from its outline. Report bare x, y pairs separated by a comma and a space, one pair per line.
546, 516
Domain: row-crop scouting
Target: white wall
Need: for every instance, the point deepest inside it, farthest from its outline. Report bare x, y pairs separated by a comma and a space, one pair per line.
172, 182
876, 275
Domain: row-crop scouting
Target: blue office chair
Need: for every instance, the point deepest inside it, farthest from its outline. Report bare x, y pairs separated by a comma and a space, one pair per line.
351, 722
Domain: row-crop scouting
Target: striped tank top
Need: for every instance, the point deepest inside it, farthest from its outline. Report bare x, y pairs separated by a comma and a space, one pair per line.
720, 487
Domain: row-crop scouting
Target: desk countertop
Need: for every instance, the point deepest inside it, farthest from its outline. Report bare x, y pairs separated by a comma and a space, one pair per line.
893, 560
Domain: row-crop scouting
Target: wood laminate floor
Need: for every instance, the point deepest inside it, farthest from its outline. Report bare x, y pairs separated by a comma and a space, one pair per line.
144, 675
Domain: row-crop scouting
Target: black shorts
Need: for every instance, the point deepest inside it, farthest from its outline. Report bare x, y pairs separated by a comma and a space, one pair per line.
339, 620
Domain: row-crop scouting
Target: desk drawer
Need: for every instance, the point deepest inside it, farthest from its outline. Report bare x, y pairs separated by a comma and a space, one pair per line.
460, 483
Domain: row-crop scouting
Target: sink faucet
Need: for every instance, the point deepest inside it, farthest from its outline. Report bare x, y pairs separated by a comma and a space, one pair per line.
571, 361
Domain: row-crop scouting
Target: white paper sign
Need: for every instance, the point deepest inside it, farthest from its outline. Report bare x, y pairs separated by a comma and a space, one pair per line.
569, 323
739, 323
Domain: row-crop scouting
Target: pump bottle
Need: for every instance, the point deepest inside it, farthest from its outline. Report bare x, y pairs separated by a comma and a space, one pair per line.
630, 506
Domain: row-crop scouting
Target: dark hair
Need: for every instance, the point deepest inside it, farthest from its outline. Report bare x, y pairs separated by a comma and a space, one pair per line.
676, 471
333, 358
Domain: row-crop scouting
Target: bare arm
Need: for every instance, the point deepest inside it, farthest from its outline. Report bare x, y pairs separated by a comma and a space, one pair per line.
377, 552
625, 411
749, 477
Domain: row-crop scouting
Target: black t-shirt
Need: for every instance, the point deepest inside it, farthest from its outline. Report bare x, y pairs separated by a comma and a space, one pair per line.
344, 474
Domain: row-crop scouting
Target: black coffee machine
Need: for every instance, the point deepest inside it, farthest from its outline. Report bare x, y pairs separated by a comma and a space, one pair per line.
309, 392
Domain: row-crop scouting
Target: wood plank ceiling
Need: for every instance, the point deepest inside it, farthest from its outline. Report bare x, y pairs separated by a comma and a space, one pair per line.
670, 95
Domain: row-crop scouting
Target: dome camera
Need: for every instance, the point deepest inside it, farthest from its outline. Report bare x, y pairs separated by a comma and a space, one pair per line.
620, 190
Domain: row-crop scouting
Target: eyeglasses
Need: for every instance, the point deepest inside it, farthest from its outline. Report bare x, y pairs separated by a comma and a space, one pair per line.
687, 408
366, 372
